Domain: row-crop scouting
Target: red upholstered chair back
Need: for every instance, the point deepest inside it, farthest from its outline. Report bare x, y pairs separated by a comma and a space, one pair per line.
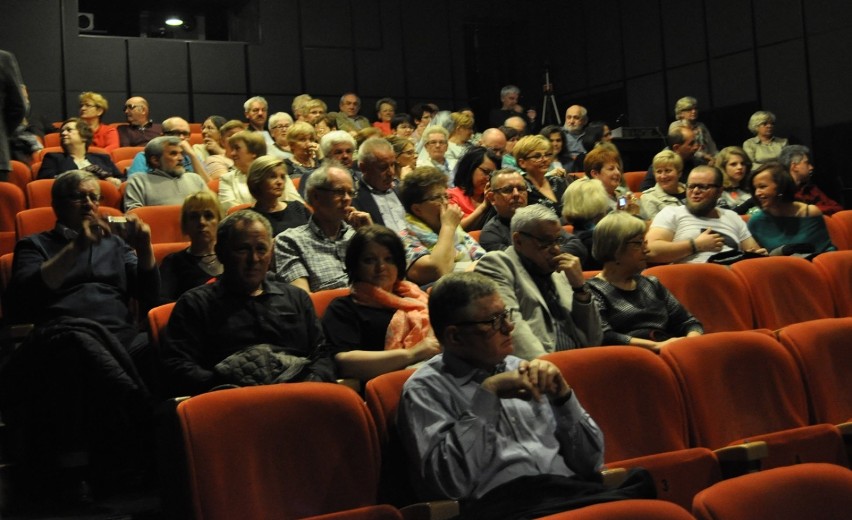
158, 319
784, 290
383, 394
741, 386
631, 394
123, 153
737, 385
279, 451
21, 175
11, 202
625, 510
812, 491
164, 222
38, 193
840, 229
823, 352
836, 270
711, 292
321, 299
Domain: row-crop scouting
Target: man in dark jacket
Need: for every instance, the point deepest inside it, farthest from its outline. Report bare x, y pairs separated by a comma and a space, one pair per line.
243, 320
13, 108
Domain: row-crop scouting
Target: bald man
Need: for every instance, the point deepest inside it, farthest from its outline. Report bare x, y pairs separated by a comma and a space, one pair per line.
139, 128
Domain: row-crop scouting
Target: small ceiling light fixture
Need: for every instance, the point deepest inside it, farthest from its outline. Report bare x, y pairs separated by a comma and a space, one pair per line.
174, 21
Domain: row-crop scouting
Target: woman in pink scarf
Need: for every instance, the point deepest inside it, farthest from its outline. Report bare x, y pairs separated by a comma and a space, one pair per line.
383, 325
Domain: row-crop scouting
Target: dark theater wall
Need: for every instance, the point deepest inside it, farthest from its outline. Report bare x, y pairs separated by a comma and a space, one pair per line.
623, 59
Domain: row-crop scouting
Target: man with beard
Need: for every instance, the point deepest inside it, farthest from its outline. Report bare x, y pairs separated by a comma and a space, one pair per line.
545, 284
695, 232
167, 181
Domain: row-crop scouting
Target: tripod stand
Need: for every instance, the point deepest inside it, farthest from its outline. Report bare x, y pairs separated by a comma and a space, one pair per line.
549, 96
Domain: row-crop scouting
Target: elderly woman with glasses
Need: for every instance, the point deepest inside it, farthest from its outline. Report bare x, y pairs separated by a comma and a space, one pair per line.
764, 146
304, 145
473, 172
434, 242
76, 136
534, 154
635, 309
279, 126
93, 106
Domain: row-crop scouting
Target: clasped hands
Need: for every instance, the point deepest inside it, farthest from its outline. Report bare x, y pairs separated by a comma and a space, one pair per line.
530, 381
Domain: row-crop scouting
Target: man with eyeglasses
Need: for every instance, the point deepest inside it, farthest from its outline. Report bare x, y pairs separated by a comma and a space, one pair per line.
139, 128
377, 193
545, 284
508, 193
311, 256
79, 371
167, 182
505, 436
172, 127
696, 231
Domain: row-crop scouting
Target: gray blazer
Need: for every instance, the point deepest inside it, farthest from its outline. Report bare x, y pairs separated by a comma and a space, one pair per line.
535, 333
13, 108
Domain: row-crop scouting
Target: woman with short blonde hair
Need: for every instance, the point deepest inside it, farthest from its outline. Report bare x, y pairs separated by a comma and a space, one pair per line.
93, 106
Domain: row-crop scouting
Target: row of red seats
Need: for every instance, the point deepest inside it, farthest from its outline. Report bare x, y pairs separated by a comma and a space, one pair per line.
312, 449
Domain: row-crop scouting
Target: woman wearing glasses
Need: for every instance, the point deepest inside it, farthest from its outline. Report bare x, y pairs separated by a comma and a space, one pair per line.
635, 309
434, 242
75, 138
406, 157
471, 185
383, 324
534, 154
93, 106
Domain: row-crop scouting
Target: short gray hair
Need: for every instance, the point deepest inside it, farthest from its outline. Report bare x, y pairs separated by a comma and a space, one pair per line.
367, 150
526, 217
758, 118
509, 89
612, 232
792, 153
226, 229
319, 177
452, 295
255, 99
66, 183
584, 200
278, 116
157, 145
335, 137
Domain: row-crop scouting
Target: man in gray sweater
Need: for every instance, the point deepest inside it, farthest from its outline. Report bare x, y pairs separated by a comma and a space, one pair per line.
167, 181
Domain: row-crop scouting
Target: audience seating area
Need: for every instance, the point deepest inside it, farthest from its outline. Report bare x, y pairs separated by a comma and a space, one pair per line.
658, 412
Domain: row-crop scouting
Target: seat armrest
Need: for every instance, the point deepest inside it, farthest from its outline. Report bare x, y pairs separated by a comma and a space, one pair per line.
354, 384
613, 477
435, 510
741, 458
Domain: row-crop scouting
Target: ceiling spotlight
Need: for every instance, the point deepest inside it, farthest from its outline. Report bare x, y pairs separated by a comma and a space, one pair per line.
174, 21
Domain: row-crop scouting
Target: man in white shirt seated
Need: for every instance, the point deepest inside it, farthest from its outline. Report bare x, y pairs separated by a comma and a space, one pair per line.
696, 231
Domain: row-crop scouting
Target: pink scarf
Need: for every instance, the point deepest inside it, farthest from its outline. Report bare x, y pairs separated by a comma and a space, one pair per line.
410, 323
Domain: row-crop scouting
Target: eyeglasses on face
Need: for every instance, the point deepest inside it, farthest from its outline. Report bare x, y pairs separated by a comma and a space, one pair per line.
544, 243
280, 127
177, 133
499, 321
436, 143
701, 187
510, 189
539, 156
443, 197
132, 107
88, 105
81, 197
339, 193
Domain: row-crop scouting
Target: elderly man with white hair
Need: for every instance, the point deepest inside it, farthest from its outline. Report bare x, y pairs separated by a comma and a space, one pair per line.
545, 284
